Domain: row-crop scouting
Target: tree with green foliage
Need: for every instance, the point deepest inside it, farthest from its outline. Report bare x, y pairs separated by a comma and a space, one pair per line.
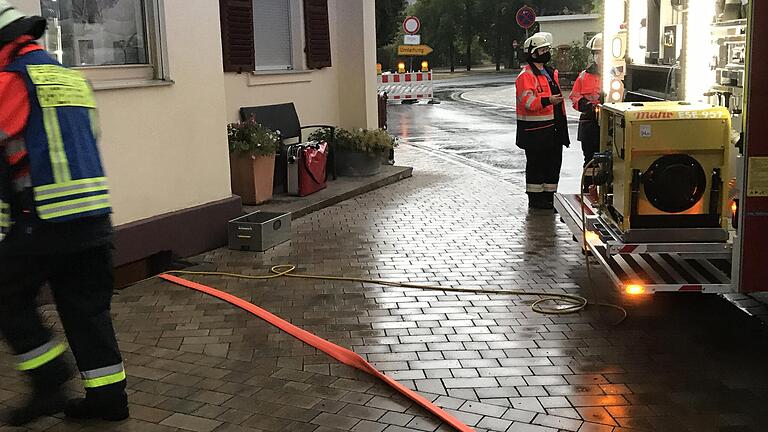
389, 17
442, 22
469, 29
497, 28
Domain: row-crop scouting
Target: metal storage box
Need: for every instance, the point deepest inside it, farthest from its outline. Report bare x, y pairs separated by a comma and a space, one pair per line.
259, 231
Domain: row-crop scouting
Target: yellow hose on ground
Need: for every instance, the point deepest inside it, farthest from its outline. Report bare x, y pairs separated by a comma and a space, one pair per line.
564, 303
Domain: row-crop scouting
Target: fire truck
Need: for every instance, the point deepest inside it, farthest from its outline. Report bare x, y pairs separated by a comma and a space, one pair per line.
681, 202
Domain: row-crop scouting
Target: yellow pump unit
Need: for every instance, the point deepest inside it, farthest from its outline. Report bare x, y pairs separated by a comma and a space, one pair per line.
665, 171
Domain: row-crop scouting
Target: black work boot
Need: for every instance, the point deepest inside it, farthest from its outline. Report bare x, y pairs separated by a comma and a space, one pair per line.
539, 200
105, 403
549, 200
48, 396
534, 200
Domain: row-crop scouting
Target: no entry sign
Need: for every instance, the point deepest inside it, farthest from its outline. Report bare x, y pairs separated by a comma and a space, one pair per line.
411, 25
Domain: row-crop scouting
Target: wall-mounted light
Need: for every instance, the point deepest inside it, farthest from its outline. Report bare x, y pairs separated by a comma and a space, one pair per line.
613, 20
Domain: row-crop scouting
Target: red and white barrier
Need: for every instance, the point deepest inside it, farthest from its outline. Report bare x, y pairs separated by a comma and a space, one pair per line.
407, 86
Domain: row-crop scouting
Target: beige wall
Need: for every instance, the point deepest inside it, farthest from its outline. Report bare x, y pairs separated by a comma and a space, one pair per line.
328, 96
357, 63
165, 148
566, 29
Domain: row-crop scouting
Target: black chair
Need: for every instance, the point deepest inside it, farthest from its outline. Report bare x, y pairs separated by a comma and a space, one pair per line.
284, 119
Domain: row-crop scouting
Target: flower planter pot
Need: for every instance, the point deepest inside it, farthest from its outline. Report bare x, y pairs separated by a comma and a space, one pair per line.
252, 177
350, 163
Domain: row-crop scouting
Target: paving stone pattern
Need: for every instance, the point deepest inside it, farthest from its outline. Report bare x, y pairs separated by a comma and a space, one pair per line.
690, 363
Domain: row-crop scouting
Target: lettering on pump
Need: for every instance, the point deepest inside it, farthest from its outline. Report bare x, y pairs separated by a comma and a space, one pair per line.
655, 115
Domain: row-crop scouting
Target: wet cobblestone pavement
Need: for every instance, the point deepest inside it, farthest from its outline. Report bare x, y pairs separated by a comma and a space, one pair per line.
678, 363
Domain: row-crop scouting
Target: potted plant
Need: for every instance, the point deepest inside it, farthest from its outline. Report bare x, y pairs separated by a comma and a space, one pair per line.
252, 150
359, 152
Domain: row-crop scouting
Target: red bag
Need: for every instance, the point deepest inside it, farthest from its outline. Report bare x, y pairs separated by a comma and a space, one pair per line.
312, 173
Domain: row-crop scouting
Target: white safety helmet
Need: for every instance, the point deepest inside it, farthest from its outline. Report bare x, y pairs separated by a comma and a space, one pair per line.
14, 23
538, 40
596, 43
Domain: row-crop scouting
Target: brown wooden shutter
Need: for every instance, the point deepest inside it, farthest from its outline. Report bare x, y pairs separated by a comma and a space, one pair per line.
237, 35
318, 34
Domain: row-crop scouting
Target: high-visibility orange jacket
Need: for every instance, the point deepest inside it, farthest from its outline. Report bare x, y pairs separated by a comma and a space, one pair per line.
585, 96
536, 117
588, 86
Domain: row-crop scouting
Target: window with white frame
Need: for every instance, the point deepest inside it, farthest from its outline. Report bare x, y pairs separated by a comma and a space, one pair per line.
96, 33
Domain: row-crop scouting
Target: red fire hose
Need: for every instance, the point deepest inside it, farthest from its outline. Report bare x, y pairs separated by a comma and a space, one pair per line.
341, 354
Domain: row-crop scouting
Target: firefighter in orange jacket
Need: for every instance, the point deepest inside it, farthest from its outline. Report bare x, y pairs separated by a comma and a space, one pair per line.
542, 126
55, 228
586, 97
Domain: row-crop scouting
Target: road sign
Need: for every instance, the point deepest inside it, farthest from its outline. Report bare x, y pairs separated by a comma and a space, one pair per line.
411, 25
526, 17
413, 50
412, 39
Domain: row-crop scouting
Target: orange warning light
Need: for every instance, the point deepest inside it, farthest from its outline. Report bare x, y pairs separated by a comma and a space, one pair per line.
592, 236
634, 289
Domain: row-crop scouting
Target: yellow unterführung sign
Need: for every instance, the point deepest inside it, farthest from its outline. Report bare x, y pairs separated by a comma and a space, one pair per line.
413, 50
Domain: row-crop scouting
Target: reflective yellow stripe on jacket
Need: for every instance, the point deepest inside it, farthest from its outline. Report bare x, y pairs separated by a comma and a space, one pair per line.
5, 219
66, 207
59, 87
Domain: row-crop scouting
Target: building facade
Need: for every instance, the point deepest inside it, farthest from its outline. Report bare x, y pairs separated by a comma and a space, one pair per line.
166, 88
567, 29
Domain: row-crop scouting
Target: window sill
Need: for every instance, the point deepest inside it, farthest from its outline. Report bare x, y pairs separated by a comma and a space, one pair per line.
259, 78
130, 84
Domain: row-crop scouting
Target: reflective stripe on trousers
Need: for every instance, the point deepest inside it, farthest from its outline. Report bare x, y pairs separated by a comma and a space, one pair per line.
103, 376
545, 187
40, 355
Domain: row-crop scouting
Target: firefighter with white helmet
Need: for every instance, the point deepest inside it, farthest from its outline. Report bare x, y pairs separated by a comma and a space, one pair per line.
542, 127
586, 97
55, 228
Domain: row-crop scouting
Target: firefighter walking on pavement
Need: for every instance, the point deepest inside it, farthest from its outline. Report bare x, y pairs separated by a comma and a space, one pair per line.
55, 228
542, 126
586, 98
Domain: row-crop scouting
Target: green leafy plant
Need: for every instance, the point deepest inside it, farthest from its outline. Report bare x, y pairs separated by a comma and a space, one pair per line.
252, 138
572, 58
362, 140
